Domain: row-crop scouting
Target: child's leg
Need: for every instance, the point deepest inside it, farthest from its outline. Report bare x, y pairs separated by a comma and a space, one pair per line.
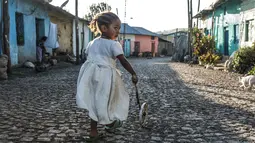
93, 137
93, 131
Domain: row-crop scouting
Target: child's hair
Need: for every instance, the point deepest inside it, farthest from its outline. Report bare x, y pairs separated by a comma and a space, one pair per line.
44, 38
104, 18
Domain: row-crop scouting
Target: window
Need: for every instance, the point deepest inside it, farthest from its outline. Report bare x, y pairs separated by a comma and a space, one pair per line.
236, 34
248, 27
152, 37
20, 28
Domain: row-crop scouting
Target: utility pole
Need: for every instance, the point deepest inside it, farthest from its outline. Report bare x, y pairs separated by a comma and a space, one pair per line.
1, 30
124, 32
188, 26
212, 32
198, 9
77, 32
6, 45
191, 28
117, 11
175, 40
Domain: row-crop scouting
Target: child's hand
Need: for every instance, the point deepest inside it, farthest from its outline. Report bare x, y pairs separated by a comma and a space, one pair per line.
134, 79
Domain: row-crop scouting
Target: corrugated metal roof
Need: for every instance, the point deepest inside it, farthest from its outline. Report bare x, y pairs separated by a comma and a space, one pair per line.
203, 12
52, 9
129, 29
136, 30
214, 5
144, 31
173, 31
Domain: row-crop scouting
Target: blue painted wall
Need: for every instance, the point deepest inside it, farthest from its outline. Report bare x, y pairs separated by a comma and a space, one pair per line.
20, 54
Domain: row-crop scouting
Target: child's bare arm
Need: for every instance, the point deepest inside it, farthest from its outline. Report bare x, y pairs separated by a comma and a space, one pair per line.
126, 64
128, 67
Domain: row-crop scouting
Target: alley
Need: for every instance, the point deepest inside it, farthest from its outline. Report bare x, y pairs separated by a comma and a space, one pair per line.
186, 104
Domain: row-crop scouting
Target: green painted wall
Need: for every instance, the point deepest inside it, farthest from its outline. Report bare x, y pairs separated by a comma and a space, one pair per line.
232, 9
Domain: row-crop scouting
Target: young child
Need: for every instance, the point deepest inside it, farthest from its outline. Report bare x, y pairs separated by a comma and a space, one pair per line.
41, 50
100, 88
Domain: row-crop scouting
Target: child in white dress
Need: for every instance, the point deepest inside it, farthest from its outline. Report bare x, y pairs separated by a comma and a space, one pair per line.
100, 89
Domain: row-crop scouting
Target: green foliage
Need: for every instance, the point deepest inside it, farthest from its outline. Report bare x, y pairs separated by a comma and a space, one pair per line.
97, 8
219, 54
197, 42
244, 60
209, 58
204, 47
252, 71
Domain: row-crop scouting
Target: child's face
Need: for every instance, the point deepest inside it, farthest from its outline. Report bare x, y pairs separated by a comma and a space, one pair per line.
113, 30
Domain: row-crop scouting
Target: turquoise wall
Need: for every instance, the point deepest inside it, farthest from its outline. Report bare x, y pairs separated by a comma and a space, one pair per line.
28, 50
229, 8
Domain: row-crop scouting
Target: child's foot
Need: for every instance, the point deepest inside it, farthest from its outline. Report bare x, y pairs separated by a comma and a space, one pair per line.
116, 124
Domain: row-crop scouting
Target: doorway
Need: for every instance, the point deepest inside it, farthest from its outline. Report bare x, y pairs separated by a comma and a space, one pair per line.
226, 39
127, 49
153, 49
137, 49
40, 29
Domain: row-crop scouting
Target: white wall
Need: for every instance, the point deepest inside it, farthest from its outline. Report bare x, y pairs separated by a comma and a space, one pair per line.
86, 36
247, 15
132, 38
127, 36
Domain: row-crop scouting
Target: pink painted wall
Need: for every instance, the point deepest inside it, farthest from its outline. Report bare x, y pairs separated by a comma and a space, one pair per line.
145, 43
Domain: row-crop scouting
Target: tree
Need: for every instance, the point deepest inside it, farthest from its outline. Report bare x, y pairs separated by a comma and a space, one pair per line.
97, 8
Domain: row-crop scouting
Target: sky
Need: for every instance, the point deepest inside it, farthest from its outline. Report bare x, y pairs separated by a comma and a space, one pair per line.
154, 15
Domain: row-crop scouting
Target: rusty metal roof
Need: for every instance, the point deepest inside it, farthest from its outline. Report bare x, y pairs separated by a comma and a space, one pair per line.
51, 9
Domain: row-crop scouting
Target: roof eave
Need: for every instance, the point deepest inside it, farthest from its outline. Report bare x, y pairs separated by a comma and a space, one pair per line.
203, 13
51, 9
140, 34
219, 3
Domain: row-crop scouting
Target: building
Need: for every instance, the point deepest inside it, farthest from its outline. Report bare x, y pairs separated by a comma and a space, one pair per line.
31, 19
227, 21
138, 40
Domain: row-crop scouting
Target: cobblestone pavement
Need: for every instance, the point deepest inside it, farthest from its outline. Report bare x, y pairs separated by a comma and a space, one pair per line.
186, 104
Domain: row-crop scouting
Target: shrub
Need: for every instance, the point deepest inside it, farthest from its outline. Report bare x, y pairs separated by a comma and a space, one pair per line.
202, 44
244, 60
218, 53
197, 42
209, 58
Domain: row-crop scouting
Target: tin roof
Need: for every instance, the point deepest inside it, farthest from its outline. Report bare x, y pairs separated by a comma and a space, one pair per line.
51, 9
136, 30
209, 9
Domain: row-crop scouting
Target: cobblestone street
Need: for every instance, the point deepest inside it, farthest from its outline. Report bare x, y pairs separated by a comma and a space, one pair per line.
186, 104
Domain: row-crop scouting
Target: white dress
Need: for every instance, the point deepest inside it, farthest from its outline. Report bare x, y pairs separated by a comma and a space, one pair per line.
100, 88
